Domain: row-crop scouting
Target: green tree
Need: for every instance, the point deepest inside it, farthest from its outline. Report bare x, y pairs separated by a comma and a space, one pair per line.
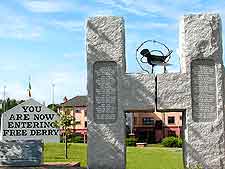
9, 103
64, 122
53, 107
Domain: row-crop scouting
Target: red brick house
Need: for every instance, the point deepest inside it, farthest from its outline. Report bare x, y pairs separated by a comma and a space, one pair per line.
77, 107
153, 127
147, 126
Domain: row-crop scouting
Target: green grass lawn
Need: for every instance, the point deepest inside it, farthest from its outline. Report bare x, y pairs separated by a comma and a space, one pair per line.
151, 157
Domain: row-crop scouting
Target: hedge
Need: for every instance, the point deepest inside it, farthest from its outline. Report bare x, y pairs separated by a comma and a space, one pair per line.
172, 142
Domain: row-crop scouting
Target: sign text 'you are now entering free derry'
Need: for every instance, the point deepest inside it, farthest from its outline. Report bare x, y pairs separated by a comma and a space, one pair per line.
29, 121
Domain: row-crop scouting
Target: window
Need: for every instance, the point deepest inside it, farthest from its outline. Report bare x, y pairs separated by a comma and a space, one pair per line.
85, 112
148, 121
171, 120
180, 117
77, 110
158, 124
85, 124
67, 112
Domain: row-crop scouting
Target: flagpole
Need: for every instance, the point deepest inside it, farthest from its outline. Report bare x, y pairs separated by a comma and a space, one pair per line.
29, 87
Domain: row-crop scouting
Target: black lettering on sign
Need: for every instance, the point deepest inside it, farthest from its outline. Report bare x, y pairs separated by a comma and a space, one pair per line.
49, 116
50, 132
38, 132
10, 125
44, 132
55, 132
32, 132
26, 117
24, 132
23, 124
5, 132
36, 125
29, 125
38, 108
44, 116
19, 117
14, 132
32, 108
25, 108
17, 124
12, 117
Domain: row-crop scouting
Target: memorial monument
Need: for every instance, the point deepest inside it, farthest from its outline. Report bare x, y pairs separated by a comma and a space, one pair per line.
197, 91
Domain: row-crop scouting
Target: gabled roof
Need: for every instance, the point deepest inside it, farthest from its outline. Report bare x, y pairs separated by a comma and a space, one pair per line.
78, 101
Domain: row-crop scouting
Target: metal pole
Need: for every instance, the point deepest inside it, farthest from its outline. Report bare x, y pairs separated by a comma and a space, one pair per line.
53, 86
4, 102
132, 122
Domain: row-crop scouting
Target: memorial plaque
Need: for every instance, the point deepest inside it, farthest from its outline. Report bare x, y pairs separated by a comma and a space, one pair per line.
105, 92
203, 87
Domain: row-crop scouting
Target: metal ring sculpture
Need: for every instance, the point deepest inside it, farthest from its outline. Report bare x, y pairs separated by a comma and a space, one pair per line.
153, 60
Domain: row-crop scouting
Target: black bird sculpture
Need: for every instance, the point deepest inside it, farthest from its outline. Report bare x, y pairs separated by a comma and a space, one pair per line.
153, 59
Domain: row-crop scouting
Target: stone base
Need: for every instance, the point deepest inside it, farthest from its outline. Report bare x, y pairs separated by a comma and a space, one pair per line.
21, 153
141, 145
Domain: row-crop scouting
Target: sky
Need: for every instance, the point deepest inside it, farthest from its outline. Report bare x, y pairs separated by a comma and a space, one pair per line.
45, 39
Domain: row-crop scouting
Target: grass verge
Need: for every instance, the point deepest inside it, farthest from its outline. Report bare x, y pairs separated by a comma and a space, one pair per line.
137, 158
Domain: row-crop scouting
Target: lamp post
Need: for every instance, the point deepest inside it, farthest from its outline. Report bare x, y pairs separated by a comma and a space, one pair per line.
53, 101
4, 99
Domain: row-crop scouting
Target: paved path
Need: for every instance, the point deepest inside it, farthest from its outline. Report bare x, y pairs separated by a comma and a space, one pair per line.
56, 165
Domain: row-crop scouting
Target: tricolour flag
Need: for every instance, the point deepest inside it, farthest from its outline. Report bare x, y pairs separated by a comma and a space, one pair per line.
29, 89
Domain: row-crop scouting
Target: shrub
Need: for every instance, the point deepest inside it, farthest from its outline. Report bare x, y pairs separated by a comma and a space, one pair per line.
179, 142
76, 139
172, 142
131, 141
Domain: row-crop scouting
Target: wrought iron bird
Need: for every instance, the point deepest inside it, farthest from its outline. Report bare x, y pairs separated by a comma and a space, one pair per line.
153, 59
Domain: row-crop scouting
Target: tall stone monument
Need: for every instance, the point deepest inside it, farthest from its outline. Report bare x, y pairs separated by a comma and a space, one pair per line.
106, 67
201, 54
197, 91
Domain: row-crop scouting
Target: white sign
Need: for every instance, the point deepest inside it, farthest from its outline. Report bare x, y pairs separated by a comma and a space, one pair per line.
29, 121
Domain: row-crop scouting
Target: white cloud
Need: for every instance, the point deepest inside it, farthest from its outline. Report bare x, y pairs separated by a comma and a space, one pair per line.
70, 55
67, 83
68, 25
151, 25
16, 91
13, 25
104, 12
125, 7
157, 8
47, 6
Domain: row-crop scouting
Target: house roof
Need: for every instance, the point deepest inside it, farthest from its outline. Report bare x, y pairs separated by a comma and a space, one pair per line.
78, 101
